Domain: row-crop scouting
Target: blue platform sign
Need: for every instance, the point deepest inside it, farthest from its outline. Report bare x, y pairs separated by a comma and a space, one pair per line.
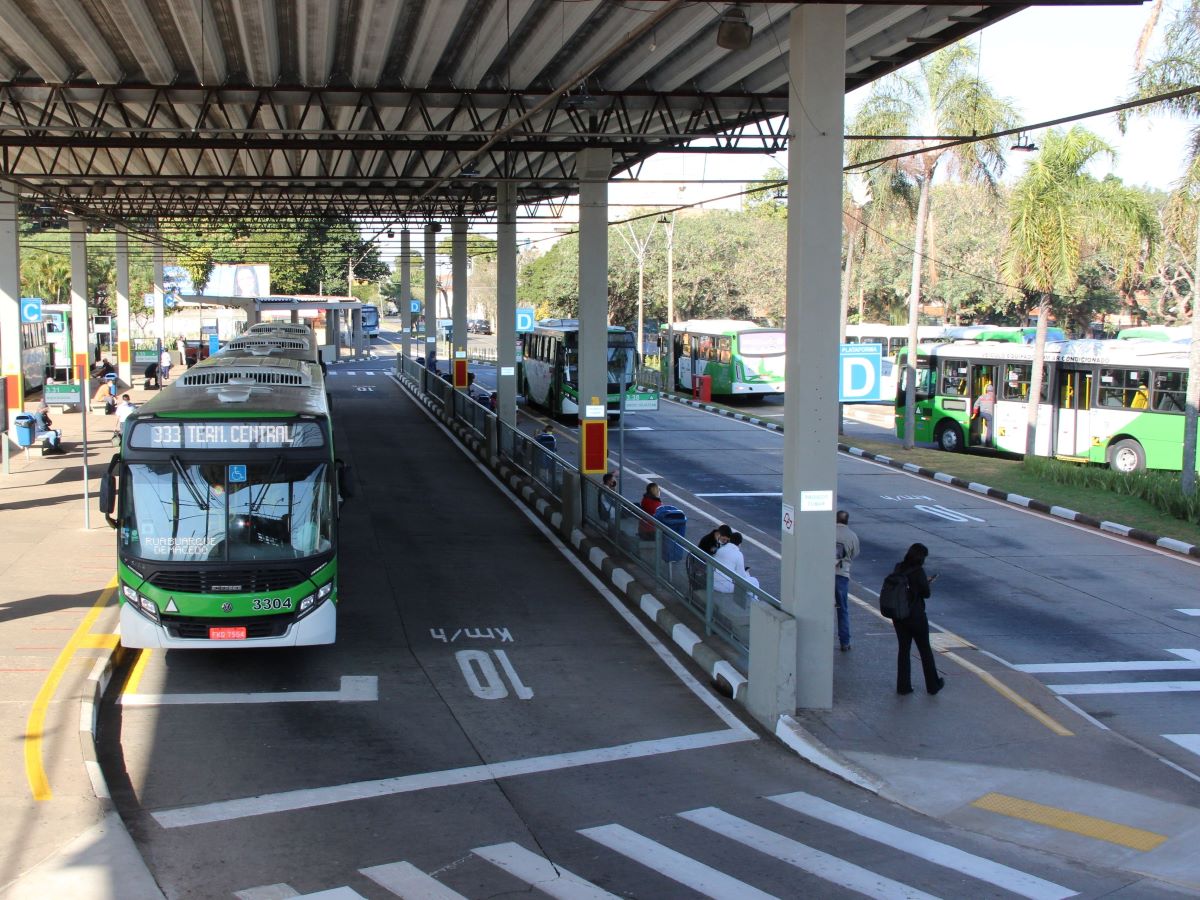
414, 306
214, 344
525, 319
860, 373
31, 309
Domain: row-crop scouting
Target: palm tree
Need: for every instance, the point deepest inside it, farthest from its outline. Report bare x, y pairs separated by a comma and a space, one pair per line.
943, 96
1057, 208
1177, 67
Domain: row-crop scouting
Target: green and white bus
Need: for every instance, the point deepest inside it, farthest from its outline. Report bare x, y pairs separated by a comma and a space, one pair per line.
1009, 334
741, 358
226, 494
1156, 333
549, 375
1117, 403
891, 337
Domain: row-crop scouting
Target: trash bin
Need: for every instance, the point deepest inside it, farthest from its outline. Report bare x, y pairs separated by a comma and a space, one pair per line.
675, 519
25, 427
702, 388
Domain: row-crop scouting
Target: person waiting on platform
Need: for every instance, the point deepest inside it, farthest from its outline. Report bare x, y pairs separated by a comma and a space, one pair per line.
45, 431
650, 502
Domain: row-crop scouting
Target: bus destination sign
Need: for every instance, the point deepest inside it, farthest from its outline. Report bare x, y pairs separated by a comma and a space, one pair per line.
218, 435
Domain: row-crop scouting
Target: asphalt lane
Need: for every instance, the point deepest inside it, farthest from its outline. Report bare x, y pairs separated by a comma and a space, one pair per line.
486, 709
1108, 624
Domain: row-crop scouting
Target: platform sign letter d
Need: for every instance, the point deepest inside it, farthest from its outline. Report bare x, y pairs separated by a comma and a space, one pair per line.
859, 373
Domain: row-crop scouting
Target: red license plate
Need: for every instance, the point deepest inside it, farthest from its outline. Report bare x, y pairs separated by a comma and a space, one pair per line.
230, 633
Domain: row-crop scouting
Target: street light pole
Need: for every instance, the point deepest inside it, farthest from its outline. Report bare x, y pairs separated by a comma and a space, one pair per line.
669, 350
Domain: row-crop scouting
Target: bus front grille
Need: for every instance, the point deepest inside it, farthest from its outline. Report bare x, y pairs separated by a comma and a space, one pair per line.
193, 628
225, 581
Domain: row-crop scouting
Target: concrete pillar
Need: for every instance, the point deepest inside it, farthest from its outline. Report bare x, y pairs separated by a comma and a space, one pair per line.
817, 66
10, 305
160, 315
458, 281
124, 346
405, 301
506, 303
334, 326
593, 166
79, 297
294, 317
356, 332
431, 335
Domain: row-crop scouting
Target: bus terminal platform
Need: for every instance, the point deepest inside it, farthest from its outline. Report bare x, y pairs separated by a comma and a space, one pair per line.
969, 757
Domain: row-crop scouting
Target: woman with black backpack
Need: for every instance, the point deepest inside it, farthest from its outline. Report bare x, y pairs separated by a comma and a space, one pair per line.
915, 626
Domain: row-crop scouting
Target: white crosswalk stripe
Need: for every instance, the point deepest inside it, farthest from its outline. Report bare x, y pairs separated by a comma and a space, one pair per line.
1010, 879
662, 859
1186, 741
815, 862
538, 872
405, 880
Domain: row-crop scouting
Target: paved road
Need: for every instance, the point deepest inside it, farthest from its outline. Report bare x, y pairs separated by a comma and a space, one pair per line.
1109, 625
486, 709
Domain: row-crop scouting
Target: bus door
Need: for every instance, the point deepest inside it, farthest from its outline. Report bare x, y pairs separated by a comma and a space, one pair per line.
983, 376
685, 362
1073, 436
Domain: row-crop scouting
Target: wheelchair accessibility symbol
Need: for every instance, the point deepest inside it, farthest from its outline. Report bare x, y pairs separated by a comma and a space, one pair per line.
237, 474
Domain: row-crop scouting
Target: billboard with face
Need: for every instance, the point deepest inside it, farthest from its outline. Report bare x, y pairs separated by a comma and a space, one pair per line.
226, 280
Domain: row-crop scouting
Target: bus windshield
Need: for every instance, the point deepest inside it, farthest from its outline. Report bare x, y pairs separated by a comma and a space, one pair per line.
761, 343
370, 317
620, 362
179, 511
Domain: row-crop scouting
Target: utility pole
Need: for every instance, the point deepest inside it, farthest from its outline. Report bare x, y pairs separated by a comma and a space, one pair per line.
638, 249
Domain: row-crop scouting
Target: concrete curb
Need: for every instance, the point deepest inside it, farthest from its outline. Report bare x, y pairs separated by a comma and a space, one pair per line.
1070, 515
635, 593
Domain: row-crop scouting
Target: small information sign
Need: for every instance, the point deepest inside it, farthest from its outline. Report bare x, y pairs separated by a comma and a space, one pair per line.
816, 501
62, 394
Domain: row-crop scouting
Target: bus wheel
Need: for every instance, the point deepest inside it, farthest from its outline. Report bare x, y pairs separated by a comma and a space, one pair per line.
949, 437
1126, 456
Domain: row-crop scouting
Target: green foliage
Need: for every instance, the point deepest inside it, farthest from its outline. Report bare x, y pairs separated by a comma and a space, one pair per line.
769, 199
1159, 489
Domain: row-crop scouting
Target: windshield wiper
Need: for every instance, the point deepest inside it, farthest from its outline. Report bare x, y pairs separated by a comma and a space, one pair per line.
266, 484
188, 483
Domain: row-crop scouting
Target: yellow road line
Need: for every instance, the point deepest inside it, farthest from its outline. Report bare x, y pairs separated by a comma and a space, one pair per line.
1012, 696
35, 727
99, 641
1076, 823
136, 671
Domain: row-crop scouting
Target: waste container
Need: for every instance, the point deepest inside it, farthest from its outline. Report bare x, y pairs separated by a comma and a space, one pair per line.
25, 428
675, 519
702, 388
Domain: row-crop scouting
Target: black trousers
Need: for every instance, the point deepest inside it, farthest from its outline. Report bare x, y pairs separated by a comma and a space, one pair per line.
909, 631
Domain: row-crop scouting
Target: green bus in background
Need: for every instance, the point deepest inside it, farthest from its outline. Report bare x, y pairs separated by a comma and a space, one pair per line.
549, 370
227, 495
1010, 334
1116, 403
742, 358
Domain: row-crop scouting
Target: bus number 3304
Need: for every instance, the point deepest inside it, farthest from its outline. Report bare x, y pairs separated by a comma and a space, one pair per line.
273, 603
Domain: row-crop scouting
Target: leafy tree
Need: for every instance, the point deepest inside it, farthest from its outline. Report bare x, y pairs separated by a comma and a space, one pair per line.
1057, 209
769, 198
943, 95
1175, 68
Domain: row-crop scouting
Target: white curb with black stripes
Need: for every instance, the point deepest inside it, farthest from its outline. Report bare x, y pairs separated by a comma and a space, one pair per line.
1070, 515
634, 592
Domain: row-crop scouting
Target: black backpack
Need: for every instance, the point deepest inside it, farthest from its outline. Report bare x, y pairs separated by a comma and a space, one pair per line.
893, 596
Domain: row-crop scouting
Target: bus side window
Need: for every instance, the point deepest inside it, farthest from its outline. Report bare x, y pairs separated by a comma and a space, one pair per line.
724, 350
954, 378
1170, 391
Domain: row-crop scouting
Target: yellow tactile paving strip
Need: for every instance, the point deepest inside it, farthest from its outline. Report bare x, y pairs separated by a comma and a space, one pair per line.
1065, 820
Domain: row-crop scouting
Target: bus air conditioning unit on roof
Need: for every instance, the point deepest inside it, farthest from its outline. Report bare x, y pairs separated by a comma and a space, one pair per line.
210, 376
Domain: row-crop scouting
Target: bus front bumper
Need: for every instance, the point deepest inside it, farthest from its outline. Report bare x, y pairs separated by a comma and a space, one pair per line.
319, 627
758, 388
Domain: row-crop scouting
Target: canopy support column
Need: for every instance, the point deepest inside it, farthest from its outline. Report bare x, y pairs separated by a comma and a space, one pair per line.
594, 166
506, 303
458, 283
430, 304
405, 302
817, 64
10, 306
124, 349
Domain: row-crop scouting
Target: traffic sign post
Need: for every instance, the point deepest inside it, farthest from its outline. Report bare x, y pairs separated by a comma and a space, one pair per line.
31, 310
860, 373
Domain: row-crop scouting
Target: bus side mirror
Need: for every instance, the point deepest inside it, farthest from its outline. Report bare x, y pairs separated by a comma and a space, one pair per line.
345, 477
108, 490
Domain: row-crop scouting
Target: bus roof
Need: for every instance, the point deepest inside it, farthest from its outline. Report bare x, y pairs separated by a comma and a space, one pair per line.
243, 386
570, 325
273, 343
279, 328
1155, 333
1101, 352
720, 326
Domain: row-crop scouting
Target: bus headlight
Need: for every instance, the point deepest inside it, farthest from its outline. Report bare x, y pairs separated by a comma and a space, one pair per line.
144, 605
312, 601
325, 590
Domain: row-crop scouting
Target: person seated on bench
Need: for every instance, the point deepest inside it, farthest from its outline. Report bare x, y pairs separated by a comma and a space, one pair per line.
45, 431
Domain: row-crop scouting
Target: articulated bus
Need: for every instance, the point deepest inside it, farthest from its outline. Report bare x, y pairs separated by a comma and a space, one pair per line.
742, 358
226, 493
549, 375
275, 341
1118, 403
1009, 334
891, 337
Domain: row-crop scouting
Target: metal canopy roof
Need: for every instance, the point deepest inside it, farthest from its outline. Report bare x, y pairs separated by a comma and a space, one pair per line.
396, 110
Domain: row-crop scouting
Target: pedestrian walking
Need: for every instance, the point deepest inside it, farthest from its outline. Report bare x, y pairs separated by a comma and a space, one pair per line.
164, 365
846, 549
915, 627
